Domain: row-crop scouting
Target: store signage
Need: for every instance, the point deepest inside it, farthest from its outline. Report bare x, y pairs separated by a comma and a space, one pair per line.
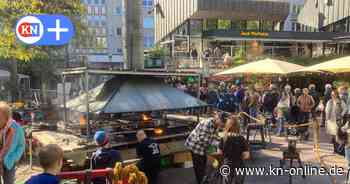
254, 34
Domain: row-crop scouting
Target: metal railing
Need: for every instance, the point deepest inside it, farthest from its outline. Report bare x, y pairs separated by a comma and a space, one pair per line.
213, 64
166, 63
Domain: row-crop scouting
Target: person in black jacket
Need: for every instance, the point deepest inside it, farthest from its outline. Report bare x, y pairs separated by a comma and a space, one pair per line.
104, 157
270, 100
149, 152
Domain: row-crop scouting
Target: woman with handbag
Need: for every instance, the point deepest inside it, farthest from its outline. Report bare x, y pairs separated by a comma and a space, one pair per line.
235, 149
335, 110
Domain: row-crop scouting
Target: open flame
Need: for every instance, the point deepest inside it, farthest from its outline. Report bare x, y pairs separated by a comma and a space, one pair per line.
158, 131
146, 118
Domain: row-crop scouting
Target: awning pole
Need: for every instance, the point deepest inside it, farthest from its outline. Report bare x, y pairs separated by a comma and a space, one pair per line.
199, 85
64, 100
87, 102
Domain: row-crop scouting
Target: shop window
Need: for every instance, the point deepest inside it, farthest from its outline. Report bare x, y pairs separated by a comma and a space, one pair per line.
96, 10
224, 24
89, 10
148, 22
211, 24
118, 10
196, 27
148, 41
252, 25
329, 2
293, 26
119, 31
147, 3
266, 26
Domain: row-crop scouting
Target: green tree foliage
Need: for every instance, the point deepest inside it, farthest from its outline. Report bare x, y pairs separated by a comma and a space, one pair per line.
224, 24
240, 56
12, 10
13, 50
158, 52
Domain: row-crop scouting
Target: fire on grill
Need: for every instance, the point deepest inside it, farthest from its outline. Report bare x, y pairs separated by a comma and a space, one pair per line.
125, 104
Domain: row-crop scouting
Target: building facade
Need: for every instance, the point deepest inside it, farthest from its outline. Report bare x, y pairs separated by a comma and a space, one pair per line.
256, 28
102, 45
291, 23
328, 16
148, 24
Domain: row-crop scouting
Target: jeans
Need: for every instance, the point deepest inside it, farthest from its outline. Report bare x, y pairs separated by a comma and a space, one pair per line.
253, 112
347, 156
199, 166
280, 125
303, 118
9, 176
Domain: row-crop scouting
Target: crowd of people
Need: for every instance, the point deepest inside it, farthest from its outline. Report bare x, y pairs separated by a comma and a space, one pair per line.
214, 55
281, 105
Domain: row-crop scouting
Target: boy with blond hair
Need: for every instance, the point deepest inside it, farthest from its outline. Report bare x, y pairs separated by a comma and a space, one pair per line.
51, 160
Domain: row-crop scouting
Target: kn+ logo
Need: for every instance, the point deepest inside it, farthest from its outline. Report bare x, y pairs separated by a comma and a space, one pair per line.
29, 29
44, 30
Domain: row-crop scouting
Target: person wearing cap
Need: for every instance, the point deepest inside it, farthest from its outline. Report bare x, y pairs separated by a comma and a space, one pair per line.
104, 157
199, 140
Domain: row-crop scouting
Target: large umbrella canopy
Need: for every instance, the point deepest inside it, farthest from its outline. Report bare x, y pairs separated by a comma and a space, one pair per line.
265, 66
340, 65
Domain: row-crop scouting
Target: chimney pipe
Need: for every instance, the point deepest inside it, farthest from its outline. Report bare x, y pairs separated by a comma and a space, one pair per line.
133, 35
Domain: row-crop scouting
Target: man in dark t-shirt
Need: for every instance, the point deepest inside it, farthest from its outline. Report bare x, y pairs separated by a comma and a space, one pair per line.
149, 152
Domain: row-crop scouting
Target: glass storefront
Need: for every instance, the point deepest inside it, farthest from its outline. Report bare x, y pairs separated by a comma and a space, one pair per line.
242, 25
208, 34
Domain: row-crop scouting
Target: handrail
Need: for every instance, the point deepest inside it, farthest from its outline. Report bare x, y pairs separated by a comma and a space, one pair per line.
86, 175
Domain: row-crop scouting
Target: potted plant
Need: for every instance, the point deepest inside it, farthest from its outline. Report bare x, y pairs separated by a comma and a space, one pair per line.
156, 57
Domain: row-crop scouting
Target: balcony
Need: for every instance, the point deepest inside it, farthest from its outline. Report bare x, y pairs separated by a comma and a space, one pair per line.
186, 64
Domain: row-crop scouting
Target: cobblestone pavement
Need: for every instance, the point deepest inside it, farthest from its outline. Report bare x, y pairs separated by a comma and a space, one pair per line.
271, 156
260, 158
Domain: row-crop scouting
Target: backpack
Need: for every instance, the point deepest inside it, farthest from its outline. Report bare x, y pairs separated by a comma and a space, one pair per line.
268, 100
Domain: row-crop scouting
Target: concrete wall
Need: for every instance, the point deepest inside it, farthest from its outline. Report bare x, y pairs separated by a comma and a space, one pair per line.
172, 13
320, 14
169, 14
